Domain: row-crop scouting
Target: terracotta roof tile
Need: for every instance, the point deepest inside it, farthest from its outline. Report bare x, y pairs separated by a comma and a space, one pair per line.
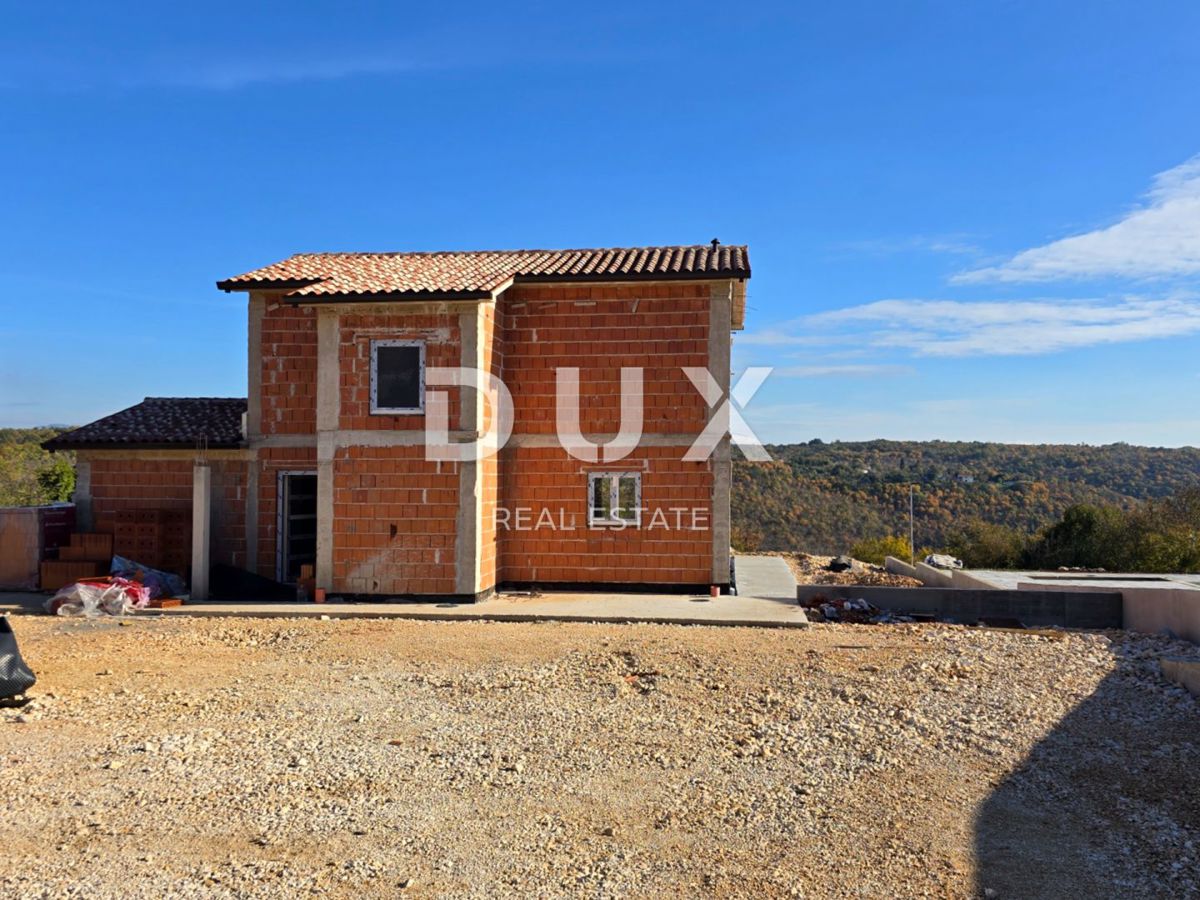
162, 421
478, 273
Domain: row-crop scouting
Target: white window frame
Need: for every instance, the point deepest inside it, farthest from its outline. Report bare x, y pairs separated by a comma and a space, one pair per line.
376, 409
614, 500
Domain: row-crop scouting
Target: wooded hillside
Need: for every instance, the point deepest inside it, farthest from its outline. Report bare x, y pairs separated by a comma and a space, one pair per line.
823, 498
29, 475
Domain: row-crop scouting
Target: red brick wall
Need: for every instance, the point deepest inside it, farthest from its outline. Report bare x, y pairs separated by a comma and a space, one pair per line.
394, 521
662, 551
124, 485
443, 347
658, 327
289, 370
272, 461
135, 485
229, 488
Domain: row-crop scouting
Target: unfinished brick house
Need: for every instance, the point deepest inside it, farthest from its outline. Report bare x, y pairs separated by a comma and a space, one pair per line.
325, 462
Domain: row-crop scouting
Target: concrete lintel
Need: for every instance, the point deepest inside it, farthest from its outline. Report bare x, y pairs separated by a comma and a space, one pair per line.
327, 444
201, 528
632, 282
683, 441
392, 307
285, 440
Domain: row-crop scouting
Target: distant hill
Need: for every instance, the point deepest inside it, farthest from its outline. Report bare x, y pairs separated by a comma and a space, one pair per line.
823, 498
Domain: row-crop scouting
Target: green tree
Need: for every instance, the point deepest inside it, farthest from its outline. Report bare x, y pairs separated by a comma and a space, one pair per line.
873, 550
982, 545
1088, 536
57, 479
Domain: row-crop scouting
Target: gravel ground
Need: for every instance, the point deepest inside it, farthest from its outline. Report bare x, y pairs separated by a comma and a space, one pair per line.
243, 758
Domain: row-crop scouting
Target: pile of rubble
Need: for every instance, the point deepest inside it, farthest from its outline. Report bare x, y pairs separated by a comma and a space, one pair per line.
853, 610
810, 569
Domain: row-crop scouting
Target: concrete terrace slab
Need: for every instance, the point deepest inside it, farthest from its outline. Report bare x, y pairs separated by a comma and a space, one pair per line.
1098, 581
765, 577
679, 609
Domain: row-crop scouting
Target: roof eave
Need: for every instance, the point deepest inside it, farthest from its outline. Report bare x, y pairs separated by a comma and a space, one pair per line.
232, 285
740, 274
187, 447
376, 296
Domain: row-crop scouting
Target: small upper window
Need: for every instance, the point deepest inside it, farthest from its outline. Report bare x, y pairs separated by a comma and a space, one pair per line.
397, 376
614, 498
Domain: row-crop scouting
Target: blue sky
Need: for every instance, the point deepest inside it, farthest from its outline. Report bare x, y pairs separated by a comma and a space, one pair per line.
966, 220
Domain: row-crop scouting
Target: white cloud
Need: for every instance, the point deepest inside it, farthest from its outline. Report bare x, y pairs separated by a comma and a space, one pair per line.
1158, 239
950, 244
839, 370
951, 328
213, 72
782, 335
232, 74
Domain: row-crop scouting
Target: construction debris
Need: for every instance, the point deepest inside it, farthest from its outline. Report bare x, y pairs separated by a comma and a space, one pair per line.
810, 569
853, 610
91, 597
158, 583
943, 561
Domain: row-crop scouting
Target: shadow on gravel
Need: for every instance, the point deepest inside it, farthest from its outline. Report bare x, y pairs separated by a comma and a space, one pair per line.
1107, 805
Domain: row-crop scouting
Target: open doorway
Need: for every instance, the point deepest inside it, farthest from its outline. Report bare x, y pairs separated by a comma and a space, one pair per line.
296, 525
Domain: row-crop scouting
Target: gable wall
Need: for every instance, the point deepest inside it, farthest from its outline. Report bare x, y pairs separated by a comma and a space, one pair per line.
659, 327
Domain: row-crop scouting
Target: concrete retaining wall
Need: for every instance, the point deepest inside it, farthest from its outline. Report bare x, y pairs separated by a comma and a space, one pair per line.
1174, 611
899, 567
964, 578
932, 577
1182, 671
1069, 609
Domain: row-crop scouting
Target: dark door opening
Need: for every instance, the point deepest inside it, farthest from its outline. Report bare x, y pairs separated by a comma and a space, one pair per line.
297, 524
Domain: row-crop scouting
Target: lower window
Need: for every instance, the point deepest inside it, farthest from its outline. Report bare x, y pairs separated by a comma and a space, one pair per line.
614, 498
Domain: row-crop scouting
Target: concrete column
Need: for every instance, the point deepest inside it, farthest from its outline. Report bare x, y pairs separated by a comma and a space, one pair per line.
722, 476
201, 528
328, 413
257, 309
468, 538
251, 513
719, 349
82, 495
